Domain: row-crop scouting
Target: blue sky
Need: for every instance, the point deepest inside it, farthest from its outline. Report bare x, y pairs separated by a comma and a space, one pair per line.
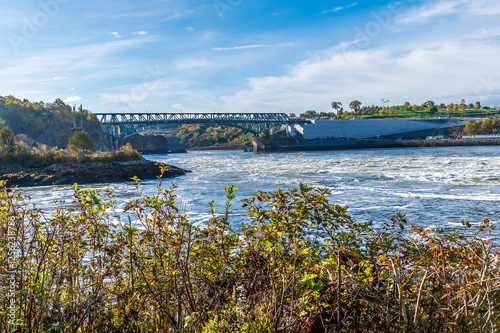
253, 56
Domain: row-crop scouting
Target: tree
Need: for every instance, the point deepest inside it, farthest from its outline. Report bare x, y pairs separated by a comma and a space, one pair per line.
311, 113
433, 109
81, 141
7, 141
355, 106
462, 106
477, 105
428, 104
336, 106
471, 128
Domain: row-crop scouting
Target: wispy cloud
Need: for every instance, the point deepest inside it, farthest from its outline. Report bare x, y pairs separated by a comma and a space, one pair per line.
430, 10
344, 45
339, 8
142, 32
191, 63
68, 60
237, 48
116, 34
448, 8
252, 46
289, 44
56, 78
178, 15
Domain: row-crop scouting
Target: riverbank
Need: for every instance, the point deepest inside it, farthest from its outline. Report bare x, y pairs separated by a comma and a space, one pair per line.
86, 173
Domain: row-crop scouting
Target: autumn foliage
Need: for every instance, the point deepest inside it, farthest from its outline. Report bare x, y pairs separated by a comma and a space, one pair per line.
297, 264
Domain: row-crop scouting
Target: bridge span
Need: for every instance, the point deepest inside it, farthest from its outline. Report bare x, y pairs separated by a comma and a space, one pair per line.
118, 125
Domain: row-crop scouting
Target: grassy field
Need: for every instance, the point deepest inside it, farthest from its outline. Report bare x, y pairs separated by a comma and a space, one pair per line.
441, 113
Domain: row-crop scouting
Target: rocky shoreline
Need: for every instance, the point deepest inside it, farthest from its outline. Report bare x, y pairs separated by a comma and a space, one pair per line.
86, 173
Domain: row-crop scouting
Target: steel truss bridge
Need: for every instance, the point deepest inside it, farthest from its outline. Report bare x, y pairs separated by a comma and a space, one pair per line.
126, 124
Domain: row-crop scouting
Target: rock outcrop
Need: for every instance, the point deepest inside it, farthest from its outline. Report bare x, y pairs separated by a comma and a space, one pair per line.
146, 144
88, 173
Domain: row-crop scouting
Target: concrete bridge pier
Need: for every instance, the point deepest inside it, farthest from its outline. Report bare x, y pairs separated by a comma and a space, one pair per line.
256, 144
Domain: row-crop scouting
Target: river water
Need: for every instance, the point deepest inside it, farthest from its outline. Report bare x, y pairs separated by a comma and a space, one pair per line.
434, 187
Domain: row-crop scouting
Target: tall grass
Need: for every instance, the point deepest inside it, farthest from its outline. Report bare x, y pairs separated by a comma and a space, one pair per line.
301, 265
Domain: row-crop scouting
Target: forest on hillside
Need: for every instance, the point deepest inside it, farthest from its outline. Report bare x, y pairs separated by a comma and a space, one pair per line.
48, 123
205, 135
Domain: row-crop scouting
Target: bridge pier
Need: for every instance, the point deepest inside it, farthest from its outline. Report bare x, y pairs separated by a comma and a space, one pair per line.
114, 144
257, 147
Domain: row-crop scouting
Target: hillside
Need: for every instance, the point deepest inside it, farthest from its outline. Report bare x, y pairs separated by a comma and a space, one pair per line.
48, 123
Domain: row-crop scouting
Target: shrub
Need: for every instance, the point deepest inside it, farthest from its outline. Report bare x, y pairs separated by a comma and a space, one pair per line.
299, 264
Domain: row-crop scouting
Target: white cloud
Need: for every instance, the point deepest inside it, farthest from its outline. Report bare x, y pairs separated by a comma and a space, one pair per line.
72, 99
116, 34
142, 32
448, 73
339, 8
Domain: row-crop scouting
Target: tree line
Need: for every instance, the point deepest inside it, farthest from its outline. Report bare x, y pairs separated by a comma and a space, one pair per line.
407, 109
485, 126
206, 135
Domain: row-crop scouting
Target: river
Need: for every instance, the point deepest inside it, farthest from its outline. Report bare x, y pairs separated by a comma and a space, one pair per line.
434, 187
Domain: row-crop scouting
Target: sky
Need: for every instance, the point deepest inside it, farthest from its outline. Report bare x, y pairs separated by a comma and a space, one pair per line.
249, 56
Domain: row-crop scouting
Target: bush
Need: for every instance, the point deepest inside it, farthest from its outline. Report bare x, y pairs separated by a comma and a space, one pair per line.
299, 265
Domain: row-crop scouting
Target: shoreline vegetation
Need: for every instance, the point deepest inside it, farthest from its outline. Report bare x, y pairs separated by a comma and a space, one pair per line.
300, 264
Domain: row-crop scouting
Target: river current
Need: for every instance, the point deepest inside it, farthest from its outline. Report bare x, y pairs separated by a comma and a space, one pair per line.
434, 187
